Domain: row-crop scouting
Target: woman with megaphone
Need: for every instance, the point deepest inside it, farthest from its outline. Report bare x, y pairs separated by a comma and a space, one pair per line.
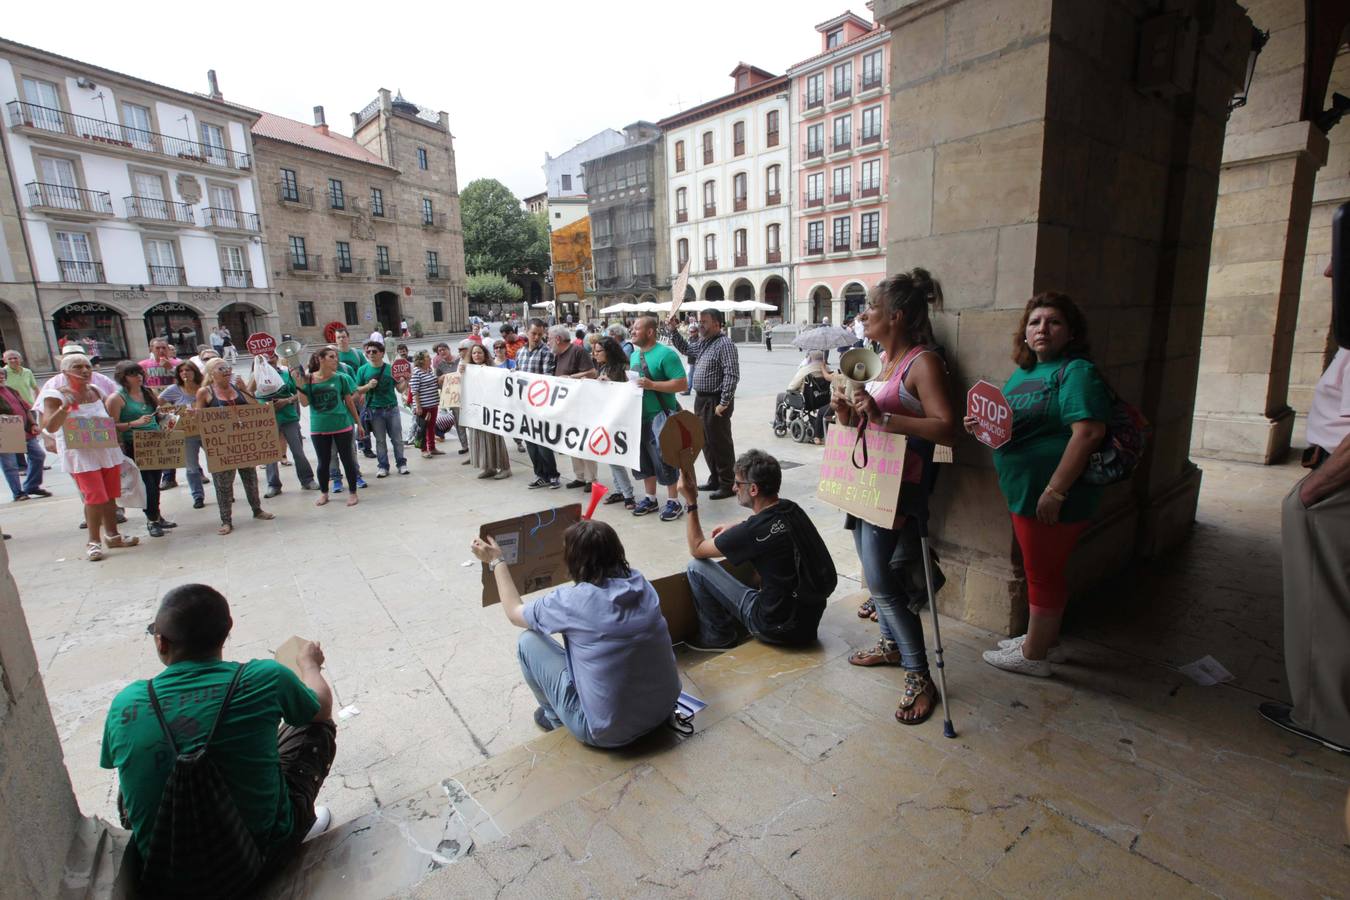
904, 392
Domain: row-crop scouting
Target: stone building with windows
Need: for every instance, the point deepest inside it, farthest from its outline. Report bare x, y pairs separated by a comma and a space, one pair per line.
626, 202
130, 210
363, 230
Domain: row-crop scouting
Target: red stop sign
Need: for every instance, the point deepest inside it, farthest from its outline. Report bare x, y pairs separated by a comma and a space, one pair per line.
260, 344
401, 369
993, 416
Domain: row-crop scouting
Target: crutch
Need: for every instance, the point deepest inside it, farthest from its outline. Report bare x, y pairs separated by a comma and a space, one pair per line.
947, 729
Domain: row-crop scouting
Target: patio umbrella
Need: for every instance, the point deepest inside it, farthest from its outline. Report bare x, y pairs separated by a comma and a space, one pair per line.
619, 307
824, 337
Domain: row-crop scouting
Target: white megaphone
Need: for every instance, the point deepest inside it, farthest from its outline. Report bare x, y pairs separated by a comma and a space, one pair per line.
858, 366
288, 353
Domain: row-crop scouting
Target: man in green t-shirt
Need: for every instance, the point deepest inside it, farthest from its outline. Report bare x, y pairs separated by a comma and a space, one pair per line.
287, 404
376, 383
354, 359
273, 775
660, 375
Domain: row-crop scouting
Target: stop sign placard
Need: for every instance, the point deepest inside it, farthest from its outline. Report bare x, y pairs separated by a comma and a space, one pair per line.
260, 344
401, 369
986, 404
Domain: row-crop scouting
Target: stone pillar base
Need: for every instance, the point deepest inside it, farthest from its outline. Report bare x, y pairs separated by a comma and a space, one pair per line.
1242, 437
983, 591
1166, 521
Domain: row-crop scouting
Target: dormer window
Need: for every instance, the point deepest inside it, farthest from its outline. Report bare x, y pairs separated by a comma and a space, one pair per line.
834, 38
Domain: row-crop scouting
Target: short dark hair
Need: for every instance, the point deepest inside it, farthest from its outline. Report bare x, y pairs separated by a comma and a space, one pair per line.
715, 314
375, 345
537, 323
507, 328
594, 552
400, 346
761, 470
439, 347
195, 618
1077, 347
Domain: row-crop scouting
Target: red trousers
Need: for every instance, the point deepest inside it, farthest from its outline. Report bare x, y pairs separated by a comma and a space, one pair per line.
1045, 555
428, 417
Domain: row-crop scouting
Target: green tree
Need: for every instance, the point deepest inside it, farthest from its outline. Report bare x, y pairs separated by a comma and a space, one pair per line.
493, 287
499, 236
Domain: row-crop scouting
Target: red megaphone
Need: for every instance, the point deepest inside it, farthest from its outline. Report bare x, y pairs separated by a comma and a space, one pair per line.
598, 490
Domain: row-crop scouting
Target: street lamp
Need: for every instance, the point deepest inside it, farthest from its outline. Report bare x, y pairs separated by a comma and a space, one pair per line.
1259, 39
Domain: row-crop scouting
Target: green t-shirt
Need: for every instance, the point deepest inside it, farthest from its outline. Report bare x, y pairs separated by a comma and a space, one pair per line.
662, 364
382, 397
1043, 409
352, 358
131, 411
291, 411
244, 747
328, 404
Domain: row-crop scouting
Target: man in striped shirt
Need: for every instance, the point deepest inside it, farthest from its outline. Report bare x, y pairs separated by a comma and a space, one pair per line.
716, 372
537, 359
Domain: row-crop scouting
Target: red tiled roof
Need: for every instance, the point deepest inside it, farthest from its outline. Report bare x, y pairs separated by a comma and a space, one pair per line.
289, 131
876, 30
728, 101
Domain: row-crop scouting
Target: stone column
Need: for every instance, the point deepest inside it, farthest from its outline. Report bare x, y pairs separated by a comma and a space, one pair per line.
1025, 157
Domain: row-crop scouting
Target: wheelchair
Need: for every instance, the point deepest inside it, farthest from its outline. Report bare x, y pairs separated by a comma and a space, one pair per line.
797, 413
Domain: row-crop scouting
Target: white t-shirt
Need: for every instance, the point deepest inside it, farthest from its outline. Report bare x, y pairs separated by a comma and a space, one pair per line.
1329, 412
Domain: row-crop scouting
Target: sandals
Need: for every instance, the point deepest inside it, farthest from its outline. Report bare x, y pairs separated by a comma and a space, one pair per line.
352, 500
93, 552
917, 685
121, 540
224, 529
868, 610
264, 516
885, 653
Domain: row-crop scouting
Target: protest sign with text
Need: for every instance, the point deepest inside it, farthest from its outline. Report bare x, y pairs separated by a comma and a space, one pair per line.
89, 433
871, 493
159, 449
13, 434
451, 391
597, 420
986, 404
240, 437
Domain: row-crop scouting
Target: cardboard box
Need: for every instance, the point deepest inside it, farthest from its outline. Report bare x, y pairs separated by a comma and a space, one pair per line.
13, 434
677, 601
532, 546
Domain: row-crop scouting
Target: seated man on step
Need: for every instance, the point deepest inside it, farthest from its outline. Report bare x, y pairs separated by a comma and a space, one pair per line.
796, 573
273, 775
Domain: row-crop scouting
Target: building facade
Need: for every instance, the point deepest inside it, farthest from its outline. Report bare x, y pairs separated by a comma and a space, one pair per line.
840, 168
728, 165
626, 203
137, 212
564, 175
364, 230
536, 203
573, 269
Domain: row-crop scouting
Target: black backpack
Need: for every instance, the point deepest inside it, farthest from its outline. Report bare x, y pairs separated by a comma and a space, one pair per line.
200, 846
816, 576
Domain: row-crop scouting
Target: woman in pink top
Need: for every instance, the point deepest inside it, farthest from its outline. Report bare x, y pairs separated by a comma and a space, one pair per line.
910, 398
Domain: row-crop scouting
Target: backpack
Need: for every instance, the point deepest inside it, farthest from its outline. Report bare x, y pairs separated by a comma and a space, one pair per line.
816, 575
200, 847
1127, 433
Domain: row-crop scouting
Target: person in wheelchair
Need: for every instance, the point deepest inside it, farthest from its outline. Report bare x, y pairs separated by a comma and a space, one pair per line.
804, 407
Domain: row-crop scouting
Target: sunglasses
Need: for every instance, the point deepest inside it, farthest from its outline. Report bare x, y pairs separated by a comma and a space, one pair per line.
374, 352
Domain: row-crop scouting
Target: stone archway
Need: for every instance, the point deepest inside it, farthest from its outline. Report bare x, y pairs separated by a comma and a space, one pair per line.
774, 291
821, 300
100, 328
712, 292
855, 298
742, 290
11, 338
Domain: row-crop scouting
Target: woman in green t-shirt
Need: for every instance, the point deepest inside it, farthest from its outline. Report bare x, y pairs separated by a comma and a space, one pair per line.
331, 398
1060, 405
134, 408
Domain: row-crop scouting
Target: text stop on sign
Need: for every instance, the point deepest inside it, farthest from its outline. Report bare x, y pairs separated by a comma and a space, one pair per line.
260, 344
986, 404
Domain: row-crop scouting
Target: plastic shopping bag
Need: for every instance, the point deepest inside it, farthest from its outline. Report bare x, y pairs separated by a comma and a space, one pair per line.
266, 379
133, 489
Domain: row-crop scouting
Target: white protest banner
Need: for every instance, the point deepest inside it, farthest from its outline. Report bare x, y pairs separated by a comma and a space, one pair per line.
599, 420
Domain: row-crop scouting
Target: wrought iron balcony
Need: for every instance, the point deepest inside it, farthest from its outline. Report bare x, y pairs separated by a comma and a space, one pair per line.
295, 195
773, 198
157, 211
814, 151
230, 219
344, 206
813, 100
309, 264
842, 90
873, 138
815, 201
842, 196
389, 268
167, 276
841, 143
870, 191
867, 243
435, 273
81, 271
61, 124
236, 278
385, 212
869, 82
814, 249
62, 199
350, 267
840, 247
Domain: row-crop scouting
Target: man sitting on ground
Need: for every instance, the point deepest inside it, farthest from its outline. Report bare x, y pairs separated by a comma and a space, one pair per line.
616, 680
796, 573
273, 775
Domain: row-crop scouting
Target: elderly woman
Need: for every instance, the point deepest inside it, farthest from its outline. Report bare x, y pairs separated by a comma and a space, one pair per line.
136, 408
96, 472
487, 450
426, 396
1060, 406
221, 391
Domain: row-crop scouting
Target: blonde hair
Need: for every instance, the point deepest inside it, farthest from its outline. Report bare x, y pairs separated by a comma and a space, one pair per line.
213, 364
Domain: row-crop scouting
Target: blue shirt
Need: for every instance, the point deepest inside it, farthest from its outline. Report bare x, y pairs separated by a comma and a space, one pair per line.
618, 653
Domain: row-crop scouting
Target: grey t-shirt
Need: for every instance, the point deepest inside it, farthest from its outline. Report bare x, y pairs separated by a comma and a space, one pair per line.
618, 653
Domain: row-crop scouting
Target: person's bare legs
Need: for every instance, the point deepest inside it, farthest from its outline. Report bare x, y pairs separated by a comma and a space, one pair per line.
93, 519
1042, 633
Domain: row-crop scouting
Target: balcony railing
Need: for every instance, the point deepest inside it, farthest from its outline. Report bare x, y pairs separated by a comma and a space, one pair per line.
81, 271
682, 215
349, 266
842, 90
868, 82
434, 220
154, 209
842, 196
641, 235
773, 256
812, 100
771, 139
236, 278
168, 276
435, 273
738, 204
309, 264
709, 210
814, 249
841, 143
870, 191
815, 151
71, 199
741, 260
602, 240
386, 212
114, 134
873, 138
773, 198
230, 219
344, 206
840, 247
389, 268
295, 195
867, 243
815, 201
709, 263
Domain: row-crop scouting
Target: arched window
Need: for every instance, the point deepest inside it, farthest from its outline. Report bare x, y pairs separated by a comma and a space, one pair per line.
772, 250
709, 198
679, 156
739, 190
682, 251
738, 139
772, 185
707, 148
681, 204
771, 128
710, 251
740, 249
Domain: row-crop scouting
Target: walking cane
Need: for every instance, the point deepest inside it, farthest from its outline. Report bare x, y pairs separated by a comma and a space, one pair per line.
947, 729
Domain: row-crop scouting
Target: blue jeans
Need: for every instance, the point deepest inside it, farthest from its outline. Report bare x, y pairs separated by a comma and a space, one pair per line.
194, 467
876, 547
37, 457
722, 603
10, 462
290, 433
386, 425
543, 662
623, 482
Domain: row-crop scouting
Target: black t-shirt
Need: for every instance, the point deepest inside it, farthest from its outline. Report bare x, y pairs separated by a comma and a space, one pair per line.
764, 541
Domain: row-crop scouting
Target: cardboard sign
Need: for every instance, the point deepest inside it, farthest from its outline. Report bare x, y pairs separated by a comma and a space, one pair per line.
450, 391
89, 433
532, 546
872, 493
681, 441
13, 434
288, 654
186, 421
582, 418
401, 369
240, 437
677, 291
159, 449
993, 416
260, 344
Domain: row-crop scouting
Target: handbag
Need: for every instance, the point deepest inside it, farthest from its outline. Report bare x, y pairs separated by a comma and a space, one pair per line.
1127, 433
133, 489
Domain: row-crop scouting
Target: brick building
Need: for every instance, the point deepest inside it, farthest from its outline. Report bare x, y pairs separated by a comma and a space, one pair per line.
363, 229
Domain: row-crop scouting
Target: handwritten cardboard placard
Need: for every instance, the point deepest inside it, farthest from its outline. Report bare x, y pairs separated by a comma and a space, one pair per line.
239, 437
532, 546
450, 391
187, 422
159, 449
89, 433
13, 434
871, 493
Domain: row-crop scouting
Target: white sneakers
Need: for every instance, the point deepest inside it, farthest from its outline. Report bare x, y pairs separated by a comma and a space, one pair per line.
1010, 659
322, 819
1055, 655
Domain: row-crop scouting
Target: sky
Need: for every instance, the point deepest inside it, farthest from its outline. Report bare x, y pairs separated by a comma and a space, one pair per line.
517, 79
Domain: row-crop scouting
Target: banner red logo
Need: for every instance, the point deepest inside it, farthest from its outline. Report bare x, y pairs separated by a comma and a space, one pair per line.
537, 395
599, 443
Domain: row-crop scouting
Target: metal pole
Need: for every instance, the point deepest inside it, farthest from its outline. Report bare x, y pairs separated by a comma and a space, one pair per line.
947, 729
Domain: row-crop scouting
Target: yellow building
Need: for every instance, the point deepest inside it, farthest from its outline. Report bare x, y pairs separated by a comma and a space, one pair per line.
573, 275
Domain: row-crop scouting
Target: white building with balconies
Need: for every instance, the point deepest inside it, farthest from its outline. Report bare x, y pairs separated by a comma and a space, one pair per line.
139, 211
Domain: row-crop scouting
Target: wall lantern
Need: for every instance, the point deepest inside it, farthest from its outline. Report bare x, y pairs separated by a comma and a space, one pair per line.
1259, 39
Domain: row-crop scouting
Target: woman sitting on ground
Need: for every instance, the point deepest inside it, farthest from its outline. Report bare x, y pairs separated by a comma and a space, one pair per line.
616, 680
